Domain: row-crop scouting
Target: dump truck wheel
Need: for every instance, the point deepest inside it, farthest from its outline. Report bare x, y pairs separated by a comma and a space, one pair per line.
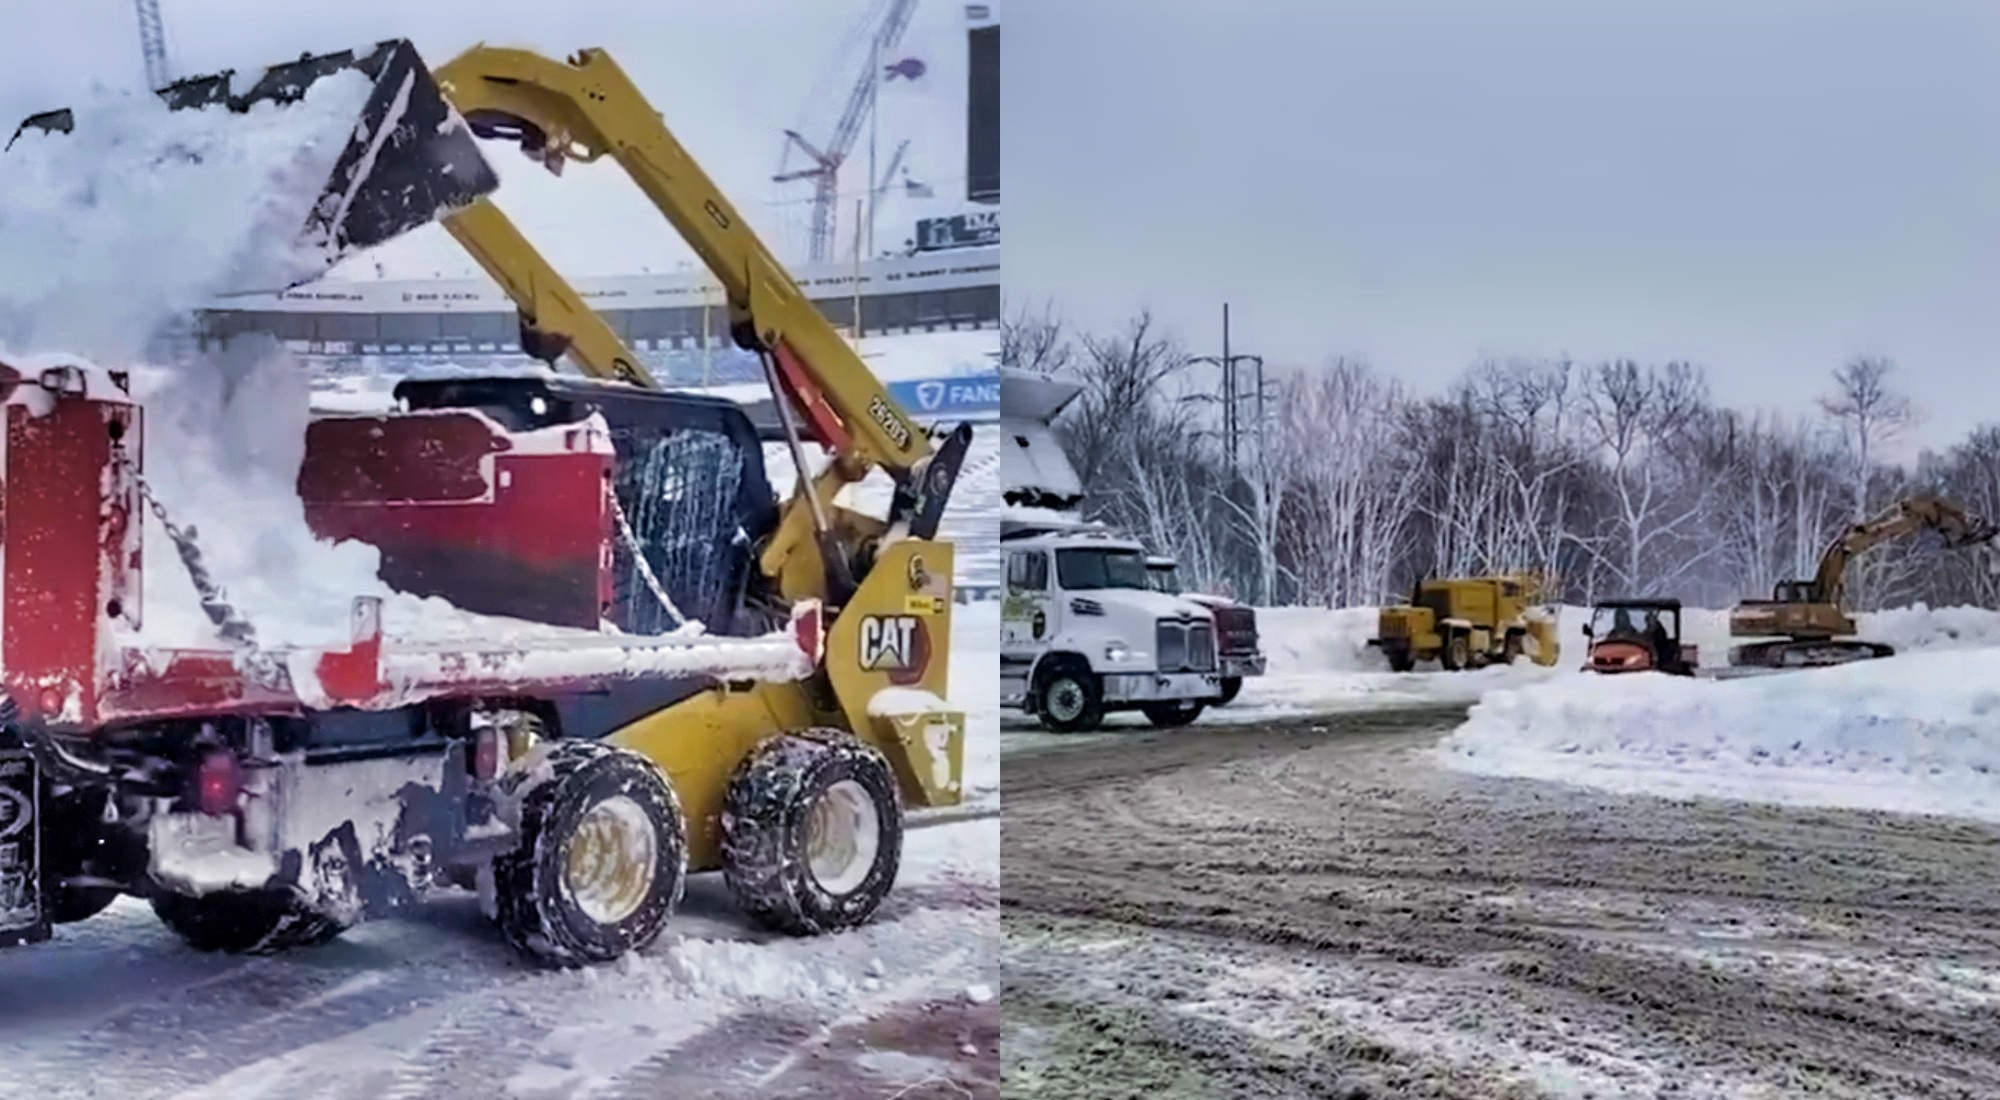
72, 842
1231, 687
69, 904
1457, 653
244, 922
1400, 659
1511, 649
1171, 715
1069, 698
812, 832
602, 860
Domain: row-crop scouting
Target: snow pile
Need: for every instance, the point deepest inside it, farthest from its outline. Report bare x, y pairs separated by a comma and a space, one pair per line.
1916, 733
1313, 641
223, 446
143, 214
1319, 658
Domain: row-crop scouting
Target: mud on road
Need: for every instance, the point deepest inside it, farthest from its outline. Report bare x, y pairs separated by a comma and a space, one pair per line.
1315, 909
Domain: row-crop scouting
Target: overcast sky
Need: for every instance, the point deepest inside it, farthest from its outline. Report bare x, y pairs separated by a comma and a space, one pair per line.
729, 76
1764, 186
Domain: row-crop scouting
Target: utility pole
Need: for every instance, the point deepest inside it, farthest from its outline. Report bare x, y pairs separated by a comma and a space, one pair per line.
1232, 391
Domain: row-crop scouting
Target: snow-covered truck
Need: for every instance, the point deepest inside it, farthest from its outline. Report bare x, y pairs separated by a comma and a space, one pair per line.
1083, 631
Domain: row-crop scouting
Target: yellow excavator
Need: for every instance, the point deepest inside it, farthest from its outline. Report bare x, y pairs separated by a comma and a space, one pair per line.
1804, 623
795, 789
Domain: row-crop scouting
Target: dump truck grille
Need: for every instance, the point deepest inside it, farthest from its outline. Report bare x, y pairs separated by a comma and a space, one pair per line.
1185, 647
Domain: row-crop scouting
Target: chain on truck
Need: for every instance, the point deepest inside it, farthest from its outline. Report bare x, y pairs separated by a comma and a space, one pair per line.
261, 797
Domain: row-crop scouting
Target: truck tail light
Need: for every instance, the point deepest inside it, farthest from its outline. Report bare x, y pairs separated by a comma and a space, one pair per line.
218, 783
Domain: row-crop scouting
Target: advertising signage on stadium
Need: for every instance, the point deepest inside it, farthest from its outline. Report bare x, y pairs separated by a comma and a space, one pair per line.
948, 397
976, 230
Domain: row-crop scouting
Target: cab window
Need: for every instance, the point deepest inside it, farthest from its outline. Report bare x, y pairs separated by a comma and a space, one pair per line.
1027, 571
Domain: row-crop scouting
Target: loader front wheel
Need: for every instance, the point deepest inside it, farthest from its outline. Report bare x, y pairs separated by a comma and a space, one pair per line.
243, 922
812, 832
602, 859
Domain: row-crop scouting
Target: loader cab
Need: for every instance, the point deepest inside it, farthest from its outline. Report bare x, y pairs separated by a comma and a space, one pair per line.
1638, 635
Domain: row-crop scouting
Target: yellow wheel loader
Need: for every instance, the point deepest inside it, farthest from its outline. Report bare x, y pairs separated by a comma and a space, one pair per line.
1468, 622
576, 790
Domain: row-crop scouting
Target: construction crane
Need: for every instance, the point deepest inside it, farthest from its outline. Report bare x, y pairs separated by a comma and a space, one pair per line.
827, 158
882, 182
152, 43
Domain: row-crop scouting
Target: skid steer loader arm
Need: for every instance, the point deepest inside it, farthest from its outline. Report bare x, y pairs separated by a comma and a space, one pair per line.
887, 583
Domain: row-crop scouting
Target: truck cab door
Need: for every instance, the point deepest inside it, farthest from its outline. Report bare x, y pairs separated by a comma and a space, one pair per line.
1026, 622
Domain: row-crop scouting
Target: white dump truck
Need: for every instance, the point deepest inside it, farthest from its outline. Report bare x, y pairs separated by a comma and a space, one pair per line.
1086, 628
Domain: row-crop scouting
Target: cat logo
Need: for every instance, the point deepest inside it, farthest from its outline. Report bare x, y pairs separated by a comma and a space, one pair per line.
896, 644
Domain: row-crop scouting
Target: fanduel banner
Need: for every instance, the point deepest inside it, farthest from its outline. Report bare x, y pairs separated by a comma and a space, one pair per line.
939, 398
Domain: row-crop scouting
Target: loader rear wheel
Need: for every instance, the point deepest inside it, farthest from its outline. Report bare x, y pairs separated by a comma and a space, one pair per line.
1069, 698
244, 922
602, 860
1400, 658
812, 832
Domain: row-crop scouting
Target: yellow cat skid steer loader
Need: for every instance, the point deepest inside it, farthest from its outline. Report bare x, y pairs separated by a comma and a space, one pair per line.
258, 808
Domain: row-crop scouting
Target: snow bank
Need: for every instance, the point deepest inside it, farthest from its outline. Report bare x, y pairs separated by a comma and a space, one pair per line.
143, 214
1307, 641
1917, 733
1319, 659
1317, 640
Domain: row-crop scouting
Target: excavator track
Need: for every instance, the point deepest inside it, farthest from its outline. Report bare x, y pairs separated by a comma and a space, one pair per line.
1795, 653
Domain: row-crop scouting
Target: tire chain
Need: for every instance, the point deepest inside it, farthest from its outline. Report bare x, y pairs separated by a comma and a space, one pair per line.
263, 668
652, 579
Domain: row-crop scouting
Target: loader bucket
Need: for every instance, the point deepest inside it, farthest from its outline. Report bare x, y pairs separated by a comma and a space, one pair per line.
409, 161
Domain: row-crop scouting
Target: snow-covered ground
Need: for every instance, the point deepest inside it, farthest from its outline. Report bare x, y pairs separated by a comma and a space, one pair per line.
434, 1004
1917, 732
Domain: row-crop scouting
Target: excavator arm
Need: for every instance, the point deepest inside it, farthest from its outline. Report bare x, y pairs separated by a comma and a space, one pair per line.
1918, 513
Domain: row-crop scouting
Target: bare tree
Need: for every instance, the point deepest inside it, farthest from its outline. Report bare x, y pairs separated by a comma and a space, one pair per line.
1871, 416
1635, 416
1036, 340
